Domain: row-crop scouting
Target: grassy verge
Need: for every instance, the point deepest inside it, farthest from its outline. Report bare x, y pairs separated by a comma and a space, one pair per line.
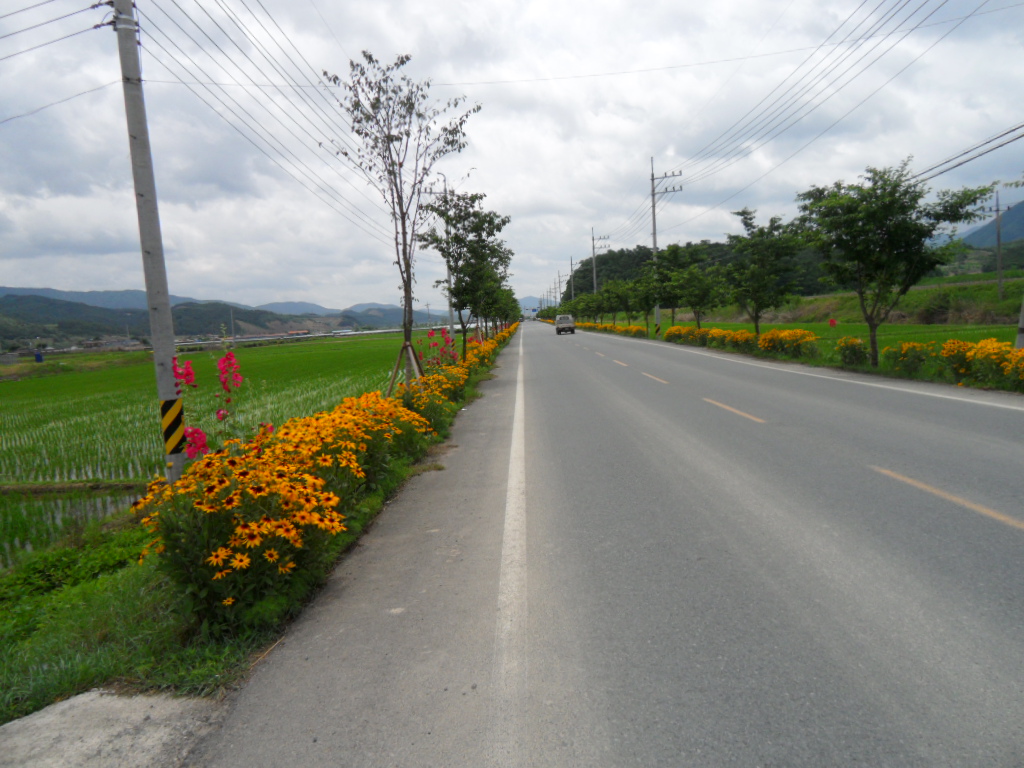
85, 613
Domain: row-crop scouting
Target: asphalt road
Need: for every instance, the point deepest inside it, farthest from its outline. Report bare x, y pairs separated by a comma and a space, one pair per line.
640, 554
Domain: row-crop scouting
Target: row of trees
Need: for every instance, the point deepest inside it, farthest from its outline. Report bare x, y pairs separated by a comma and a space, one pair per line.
876, 238
402, 133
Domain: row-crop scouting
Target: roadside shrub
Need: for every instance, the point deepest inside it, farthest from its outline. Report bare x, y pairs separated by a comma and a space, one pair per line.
852, 351
987, 359
1013, 370
789, 343
909, 357
954, 356
674, 334
718, 338
742, 341
636, 331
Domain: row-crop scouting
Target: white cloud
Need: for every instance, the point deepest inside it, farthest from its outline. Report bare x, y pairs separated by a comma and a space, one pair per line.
559, 150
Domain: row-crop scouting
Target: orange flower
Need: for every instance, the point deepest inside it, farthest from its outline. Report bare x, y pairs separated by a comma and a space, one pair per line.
240, 561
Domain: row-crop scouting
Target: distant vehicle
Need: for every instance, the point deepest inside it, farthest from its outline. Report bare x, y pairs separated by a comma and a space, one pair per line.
565, 324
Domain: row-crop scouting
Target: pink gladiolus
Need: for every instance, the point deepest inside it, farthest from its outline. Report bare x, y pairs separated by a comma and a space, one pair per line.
430, 333
222, 414
195, 442
229, 375
185, 374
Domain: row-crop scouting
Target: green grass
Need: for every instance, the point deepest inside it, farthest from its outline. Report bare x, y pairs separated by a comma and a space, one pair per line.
99, 420
83, 613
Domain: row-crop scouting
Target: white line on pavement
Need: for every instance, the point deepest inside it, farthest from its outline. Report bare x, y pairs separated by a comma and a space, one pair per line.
510, 632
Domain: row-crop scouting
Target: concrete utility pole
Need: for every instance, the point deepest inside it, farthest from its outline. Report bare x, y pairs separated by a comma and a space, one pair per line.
572, 280
999, 243
594, 248
654, 228
161, 328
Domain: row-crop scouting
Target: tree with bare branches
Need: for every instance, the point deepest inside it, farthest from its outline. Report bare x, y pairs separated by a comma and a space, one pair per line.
401, 135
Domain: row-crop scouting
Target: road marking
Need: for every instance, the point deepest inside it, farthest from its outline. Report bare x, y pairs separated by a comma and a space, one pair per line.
624, 365
1005, 519
725, 357
733, 410
655, 378
599, 354
510, 631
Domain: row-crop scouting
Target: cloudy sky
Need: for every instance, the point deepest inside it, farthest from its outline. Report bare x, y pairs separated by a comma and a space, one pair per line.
748, 103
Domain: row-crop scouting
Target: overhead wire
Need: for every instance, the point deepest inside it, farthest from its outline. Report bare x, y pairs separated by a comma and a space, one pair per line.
27, 8
835, 123
60, 101
328, 119
277, 115
271, 141
765, 137
51, 42
49, 21
971, 153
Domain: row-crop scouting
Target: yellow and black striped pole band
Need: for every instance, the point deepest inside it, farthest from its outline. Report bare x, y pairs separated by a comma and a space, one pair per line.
657, 330
172, 419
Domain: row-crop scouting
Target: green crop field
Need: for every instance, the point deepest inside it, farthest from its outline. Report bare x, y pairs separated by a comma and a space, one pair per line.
102, 424
94, 418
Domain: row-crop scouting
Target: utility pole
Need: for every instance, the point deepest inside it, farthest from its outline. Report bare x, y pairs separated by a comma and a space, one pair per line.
572, 280
999, 242
594, 248
161, 327
654, 228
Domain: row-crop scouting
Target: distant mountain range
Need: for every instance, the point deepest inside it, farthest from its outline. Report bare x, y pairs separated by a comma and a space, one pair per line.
1012, 226
29, 313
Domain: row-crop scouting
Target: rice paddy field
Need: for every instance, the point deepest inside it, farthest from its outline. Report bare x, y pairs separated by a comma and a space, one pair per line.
99, 423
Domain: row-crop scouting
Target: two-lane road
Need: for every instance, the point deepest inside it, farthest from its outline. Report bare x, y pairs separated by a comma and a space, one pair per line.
641, 554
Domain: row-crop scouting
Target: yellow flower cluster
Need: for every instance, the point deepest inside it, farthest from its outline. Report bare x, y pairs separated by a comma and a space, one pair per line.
637, 331
909, 356
988, 363
742, 340
792, 342
243, 519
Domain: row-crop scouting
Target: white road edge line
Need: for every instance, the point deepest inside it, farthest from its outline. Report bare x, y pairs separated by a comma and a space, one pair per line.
510, 633
839, 379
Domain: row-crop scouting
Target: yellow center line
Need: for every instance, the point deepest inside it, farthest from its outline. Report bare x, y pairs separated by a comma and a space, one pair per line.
733, 410
620, 363
654, 377
1005, 519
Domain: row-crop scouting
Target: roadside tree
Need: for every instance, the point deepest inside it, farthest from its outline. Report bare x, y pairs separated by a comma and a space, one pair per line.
701, 288
760, 277
400, 138
876, 236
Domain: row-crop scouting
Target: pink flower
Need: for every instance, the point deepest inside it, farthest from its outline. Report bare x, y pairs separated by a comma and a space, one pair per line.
222, 414
430, 333
229, 376
196, 442
184, 375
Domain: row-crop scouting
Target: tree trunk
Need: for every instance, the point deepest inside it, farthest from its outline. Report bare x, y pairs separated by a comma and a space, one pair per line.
873, 341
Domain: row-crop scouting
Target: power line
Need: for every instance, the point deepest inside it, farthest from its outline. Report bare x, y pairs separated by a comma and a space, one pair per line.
61, 101
933, 171
312, 189
690, 65
289, 113
51, 21
51, 42
28, 8
834, 124
276, 145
